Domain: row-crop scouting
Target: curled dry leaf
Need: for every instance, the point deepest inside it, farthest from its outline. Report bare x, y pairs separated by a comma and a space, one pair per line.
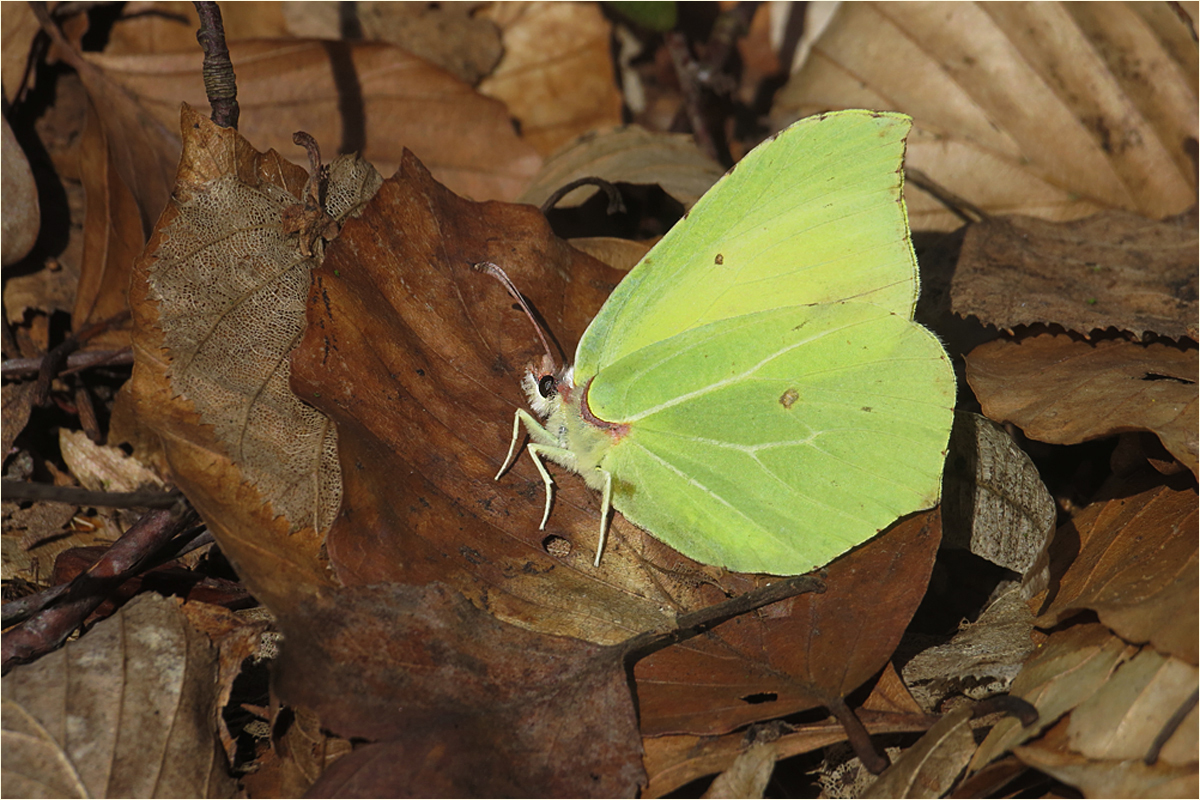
17, 32
992, 496
930, 767
1063, 391
556, 74
399, 101
112, 235
1113, 270
480, 709
1108, 778
627, 155
418, 358
1133, 562
1121, 721
1071, 667
1054, 110
981, 660
127, 711
218, 301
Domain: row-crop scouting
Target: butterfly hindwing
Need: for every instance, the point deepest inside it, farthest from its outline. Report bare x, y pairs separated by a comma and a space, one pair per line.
768, 442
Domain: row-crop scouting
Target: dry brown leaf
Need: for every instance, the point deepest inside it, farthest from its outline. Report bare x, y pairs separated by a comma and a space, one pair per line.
1055, 110
102, 468
225, 437
556, 74
1071, 667
1062, 391
1096, 778
398, 102
418, 358
22, 216
1136, 567
112, 235
673, 761
480, 708
929, 767
627, 155
34, 537
17, 405
993, 498
18, 27
127, 711
1113, 270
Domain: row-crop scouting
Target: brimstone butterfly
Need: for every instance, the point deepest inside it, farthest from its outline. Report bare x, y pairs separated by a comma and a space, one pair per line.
755, 392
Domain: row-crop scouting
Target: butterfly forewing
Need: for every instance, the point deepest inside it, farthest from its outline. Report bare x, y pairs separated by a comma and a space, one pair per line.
814, 215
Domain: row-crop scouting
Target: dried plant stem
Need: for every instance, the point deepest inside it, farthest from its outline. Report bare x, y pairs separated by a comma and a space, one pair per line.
220, 84
50, 628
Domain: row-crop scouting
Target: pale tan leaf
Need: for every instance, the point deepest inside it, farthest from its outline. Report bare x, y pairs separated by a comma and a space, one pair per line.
22, 217
1121, 721
126, 711
102, 468
556, 74
749, 773
1104, 778
1020, 108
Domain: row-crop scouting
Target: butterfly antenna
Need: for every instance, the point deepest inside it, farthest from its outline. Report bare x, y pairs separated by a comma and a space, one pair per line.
499, 274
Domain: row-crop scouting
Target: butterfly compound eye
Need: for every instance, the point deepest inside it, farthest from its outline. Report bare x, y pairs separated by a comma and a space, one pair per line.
547, 386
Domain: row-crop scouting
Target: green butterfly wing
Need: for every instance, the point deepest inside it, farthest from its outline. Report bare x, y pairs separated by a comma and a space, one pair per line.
813, 215
776, 441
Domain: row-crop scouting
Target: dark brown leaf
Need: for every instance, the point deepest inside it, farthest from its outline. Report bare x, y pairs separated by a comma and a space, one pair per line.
456, 702
418, 359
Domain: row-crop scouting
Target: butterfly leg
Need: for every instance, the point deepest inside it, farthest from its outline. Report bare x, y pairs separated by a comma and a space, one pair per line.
537, 452
605, 507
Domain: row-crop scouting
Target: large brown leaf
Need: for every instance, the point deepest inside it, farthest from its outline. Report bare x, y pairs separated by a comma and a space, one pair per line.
418, 358
457, 703
1054, 110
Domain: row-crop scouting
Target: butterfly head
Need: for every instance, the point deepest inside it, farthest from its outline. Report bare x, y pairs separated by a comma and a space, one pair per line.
547, 386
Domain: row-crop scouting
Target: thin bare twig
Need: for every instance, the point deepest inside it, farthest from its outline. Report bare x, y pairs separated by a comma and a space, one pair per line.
50, 628
220, 84
24, 490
